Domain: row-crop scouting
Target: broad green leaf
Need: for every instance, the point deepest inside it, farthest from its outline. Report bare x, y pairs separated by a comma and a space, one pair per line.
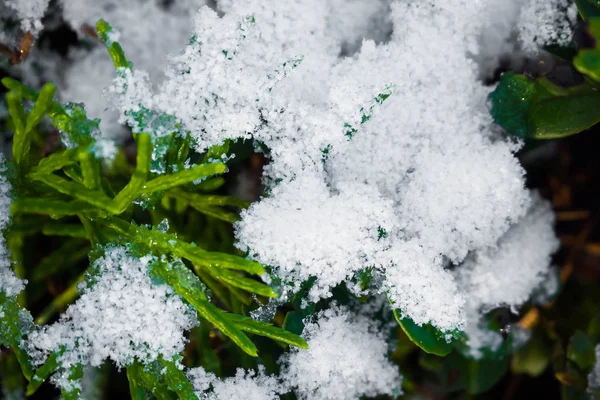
426, 336
531, 359
588, 8
42, 373
474, 376
170, 181
581, 351
587, 61
540, 110
294, 322
265, 329
176, 380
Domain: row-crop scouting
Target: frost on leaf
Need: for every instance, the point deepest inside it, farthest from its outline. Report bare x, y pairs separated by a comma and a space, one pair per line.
122, 315
347, 358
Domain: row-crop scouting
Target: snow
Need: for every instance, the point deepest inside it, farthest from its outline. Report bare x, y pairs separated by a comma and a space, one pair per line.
30, 12
400, 169
121, 315
347, 358
9, 283
244, 385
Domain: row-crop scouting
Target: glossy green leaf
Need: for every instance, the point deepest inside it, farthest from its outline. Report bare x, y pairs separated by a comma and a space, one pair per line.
428, 338
581, 351
42, 373
538, 109
136, 389
265, 329
474, 376
587, 61
588, 8
294, 322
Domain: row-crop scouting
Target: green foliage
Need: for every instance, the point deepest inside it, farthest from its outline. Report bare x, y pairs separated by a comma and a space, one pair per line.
539, 109
428, 338
71, 196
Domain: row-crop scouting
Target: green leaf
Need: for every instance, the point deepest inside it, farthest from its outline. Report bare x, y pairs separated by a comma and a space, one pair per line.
531, 359
538, 109
188, 286
75, 375
114, 48
95, 198
265, 329
474, 376
428, 338
136, 389
133, 189
141, 377
42, 373
581, 351
54, 208
11, 330
165, 182
41, 106
294, 322
587, 61
236, 280
594, 329
176, 380
588, 8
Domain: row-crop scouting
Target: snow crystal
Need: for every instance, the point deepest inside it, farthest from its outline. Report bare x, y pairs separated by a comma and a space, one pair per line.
30, 12
400, 169
123, 316
136, 21
544, 22
244, 385
304, 211
507, 274
347, 358
9, 283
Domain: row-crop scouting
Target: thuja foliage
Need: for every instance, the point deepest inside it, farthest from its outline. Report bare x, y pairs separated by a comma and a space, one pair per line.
70, 194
